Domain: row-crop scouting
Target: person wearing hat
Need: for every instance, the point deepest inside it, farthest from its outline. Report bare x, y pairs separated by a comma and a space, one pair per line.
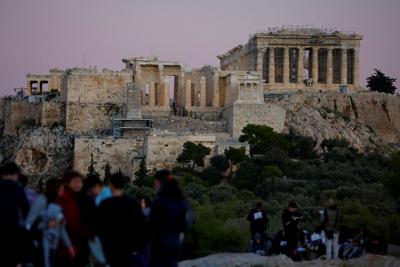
330, 219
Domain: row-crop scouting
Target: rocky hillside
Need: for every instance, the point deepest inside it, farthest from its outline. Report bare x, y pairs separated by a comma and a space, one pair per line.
39, 151
365, 119
252, 260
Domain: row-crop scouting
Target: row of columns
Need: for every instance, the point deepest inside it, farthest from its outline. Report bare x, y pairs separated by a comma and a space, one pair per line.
39, 85
164, 93
315, 66
189, 91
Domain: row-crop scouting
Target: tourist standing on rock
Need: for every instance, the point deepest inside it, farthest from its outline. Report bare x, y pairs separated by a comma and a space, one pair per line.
330, 218
14, 208
258, 220
47, 217
122, 226
169, 218
75, 212
290, 219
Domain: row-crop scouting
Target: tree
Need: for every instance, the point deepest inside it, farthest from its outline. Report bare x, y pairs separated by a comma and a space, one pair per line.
141, 173
381, 83
235, 156
193, 154
107, 171
220, 162
91, 169
262, 138
272, 172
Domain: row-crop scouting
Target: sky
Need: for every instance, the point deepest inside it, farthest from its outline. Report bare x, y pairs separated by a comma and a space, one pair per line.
37, 35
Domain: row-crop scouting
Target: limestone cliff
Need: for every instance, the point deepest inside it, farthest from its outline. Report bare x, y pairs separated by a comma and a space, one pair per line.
364, 119
39, 151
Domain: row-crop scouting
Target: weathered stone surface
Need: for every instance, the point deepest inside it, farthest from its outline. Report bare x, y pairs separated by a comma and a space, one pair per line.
43, 152
252, 260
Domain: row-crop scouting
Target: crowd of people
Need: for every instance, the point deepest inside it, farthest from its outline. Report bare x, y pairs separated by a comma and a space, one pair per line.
74, 220
330, 240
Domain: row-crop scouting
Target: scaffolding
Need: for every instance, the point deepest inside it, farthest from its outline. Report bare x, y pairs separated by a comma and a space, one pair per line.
336, 65
266, 66
279, 58
322, 65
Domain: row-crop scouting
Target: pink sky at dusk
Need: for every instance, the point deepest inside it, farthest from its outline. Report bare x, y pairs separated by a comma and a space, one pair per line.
37, 35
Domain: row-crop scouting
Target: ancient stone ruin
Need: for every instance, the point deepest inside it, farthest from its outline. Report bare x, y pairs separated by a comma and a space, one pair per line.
288, 78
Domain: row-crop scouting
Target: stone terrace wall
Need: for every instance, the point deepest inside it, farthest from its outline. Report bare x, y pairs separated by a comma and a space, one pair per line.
94, 98
239, 115
123, 154
162, 151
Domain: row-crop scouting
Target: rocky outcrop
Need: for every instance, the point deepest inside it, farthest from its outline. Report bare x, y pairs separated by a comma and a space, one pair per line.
365, 119
41, 151
252, 260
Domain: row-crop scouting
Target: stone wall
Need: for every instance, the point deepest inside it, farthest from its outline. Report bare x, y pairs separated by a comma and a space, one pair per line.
94, 98
240, 114
162, 151
121, 154
16, 113
52, 113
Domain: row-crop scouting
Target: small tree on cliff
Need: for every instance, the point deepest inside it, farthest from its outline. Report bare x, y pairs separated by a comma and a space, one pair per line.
235, 156
193, 154
379, 82
141, 173
91, 169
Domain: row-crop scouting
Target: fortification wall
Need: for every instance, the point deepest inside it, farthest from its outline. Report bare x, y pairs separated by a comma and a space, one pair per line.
240, 114
121, 154
15, 113
162, 151
52, 113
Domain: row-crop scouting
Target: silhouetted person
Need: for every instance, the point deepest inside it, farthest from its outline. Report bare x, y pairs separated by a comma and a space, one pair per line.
14, 208
290, 219
122, 225
75, 214
168, 221
331, 218
258, 220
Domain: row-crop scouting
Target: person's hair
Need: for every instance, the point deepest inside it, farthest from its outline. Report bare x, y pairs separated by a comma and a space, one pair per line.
53, 186
147, 201
118, 180
259, 205
292, 204
91, 181
9, 168
169, 186
69, 175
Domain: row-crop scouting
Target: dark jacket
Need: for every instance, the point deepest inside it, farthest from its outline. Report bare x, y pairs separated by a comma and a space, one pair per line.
258, 221
14, 208
290, 220
332, 218
122, 228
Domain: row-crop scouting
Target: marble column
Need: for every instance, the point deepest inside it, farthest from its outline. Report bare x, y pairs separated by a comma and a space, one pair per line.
260, 59
202, 92
286, 67
343, 67
215, 93
188, 93
329, 66
152, 94
271, 74
356, 66
29, 87
166, 92
314, 71
300, 65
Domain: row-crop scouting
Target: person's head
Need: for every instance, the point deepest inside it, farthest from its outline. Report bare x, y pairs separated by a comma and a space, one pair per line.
93, 185
259, 205
54, 188
167, 186
161, 178
258, 238
292, 207
145, 202
73, 180
117, 183
10, 171
331, 202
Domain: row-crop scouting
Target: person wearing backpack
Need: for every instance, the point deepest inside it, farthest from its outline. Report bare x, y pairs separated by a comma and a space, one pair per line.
330, 218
